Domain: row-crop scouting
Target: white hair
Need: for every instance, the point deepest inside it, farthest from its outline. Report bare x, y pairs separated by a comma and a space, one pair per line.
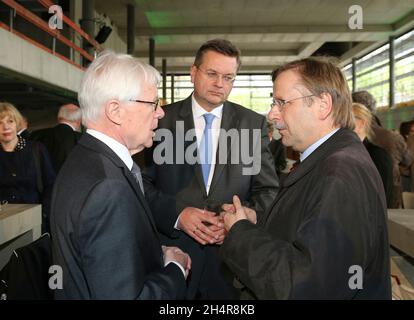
113, 76
69, 114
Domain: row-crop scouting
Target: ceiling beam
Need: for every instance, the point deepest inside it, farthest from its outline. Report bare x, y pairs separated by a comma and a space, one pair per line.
245, 53
342, 28
308, 49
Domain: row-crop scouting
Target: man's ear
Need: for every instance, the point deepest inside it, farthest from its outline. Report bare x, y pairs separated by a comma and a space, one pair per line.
193, 71
325, 105
114, 111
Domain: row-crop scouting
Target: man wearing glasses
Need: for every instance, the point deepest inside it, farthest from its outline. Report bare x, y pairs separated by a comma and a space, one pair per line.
325, 235
185, 197
104, 236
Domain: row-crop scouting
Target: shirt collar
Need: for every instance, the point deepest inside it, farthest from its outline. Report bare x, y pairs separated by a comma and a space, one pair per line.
314, 146
198, 111
68, 124
120, 150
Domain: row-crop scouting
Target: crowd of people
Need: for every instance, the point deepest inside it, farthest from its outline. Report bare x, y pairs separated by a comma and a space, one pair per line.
213, 227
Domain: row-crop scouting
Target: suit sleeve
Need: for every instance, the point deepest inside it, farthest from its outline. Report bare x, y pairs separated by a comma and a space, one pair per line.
264, 186
316, 263
118, 246
163, 206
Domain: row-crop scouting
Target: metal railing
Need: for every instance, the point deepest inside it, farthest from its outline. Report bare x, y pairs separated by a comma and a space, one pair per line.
16, 8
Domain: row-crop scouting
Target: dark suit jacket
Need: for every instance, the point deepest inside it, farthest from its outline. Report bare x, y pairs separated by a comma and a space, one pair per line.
329, 215
383, 162
59, 141
104, 237
172, 187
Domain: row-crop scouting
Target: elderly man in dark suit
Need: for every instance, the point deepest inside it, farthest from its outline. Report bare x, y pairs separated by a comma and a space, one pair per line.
208, 142
104, 236
61, 139
325, 234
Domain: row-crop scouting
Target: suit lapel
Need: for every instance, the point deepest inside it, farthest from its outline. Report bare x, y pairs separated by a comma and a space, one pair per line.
186, 115
139, 194
98, 146
335, 142
229, 121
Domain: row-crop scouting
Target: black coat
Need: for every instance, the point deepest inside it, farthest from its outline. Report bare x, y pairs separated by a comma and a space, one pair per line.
172, 187
103, 233
329, 215
59, 141
383, 162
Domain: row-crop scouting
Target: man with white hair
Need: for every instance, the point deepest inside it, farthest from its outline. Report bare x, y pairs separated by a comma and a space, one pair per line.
61, 139
104, 236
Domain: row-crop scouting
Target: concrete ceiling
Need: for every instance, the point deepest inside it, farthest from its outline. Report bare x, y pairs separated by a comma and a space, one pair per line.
268, 32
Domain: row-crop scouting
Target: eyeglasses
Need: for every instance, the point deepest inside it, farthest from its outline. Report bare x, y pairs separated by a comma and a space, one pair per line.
214, 76
155, 104
280, 103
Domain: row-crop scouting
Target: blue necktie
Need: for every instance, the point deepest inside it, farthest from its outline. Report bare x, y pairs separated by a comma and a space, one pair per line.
206, 147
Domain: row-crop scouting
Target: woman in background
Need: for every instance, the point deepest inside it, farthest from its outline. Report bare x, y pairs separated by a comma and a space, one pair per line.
380, 157
26, 173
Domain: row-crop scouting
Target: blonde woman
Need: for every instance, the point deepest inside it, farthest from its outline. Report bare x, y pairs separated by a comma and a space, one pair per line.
26, 173
380, 157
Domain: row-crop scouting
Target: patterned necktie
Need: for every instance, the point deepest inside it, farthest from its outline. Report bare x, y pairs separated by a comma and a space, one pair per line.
206, 147
136, 171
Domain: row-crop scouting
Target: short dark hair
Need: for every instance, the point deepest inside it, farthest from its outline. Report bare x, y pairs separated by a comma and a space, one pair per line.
405, 128
221, 46
365, 98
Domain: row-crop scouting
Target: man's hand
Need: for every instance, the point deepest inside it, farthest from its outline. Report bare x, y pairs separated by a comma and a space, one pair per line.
237, 213
177, 255
203, 226
250, 213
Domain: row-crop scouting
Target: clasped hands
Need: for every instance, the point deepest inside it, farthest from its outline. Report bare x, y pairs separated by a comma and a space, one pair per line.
208, 228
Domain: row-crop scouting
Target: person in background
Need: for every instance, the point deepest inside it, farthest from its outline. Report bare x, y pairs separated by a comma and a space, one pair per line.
26, 173
380, 157
23, 128
391, 141
104, 236
325, 234
61, 139
407, 172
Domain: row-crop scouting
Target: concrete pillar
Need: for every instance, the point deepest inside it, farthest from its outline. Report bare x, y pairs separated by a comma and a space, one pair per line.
152, 52
354, 77
130, 29
88, 24
392, 72
172, 88
164, 79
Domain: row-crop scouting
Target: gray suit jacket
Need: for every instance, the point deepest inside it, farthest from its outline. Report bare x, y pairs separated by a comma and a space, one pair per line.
103, 234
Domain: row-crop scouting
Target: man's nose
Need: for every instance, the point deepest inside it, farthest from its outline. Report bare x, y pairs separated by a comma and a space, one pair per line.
159, 113
274, 113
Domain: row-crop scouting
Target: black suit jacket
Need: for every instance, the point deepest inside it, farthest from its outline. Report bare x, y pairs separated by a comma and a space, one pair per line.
172, 187
103, 233
329, 216
383, 162
59, 141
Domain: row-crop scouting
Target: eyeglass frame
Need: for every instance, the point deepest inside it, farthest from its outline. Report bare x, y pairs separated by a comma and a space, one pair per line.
214, 75
155, 103
283, 103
